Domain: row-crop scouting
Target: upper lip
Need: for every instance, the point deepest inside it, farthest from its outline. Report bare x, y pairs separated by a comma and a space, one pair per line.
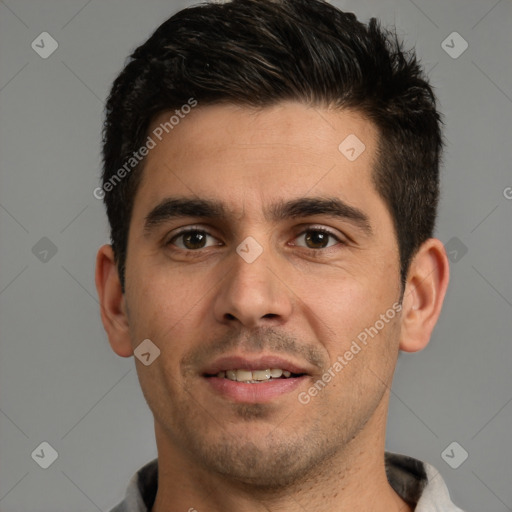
252, 363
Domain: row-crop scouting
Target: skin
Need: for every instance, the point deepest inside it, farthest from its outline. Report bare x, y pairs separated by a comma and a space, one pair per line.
304, 298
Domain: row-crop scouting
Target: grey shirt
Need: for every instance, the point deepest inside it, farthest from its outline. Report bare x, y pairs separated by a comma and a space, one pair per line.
418, 483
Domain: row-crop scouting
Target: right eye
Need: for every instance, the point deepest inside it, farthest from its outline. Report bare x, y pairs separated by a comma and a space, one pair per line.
191, 239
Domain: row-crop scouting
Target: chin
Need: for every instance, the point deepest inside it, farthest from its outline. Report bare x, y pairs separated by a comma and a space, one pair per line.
267, 466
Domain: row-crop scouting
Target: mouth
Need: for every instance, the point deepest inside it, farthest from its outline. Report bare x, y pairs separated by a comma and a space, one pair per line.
255, 376
244, 380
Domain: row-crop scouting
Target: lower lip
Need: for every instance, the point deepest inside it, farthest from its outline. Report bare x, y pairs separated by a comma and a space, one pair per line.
254, 393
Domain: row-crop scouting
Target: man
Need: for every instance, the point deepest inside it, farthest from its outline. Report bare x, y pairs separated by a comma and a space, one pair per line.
271, 183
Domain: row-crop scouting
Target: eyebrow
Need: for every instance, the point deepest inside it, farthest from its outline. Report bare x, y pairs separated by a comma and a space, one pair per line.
175, 207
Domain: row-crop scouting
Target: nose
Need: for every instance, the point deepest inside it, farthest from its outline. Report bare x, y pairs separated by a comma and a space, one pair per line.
253, 294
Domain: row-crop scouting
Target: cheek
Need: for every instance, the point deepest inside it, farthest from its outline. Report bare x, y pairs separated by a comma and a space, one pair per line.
344, 309
156, 303
169, 306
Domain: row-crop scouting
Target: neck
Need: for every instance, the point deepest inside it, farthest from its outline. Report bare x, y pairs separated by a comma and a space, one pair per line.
354, 478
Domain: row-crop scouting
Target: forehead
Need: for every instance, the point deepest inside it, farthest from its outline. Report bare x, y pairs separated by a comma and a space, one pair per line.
249, 156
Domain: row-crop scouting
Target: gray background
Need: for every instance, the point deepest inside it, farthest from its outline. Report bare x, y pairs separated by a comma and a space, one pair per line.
59, 380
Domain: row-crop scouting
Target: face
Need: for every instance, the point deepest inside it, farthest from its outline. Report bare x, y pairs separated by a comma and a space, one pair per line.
255, 244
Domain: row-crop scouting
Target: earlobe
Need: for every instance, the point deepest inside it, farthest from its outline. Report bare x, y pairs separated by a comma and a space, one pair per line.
112, 302
424, 294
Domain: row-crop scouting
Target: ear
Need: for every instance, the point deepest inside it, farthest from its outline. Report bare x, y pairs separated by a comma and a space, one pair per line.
112, 302
426, 285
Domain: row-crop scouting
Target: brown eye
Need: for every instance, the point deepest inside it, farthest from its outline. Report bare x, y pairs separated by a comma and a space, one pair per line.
318, 238
190, 240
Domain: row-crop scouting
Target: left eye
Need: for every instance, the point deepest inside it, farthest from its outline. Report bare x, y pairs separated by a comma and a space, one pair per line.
318, 238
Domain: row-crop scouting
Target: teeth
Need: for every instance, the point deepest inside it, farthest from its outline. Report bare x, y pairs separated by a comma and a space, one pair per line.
260, 374
242, 375
255, 375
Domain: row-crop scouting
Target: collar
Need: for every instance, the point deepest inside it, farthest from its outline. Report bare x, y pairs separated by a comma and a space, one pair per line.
418, 483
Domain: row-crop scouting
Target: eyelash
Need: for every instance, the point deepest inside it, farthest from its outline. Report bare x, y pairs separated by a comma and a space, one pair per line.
308, 230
